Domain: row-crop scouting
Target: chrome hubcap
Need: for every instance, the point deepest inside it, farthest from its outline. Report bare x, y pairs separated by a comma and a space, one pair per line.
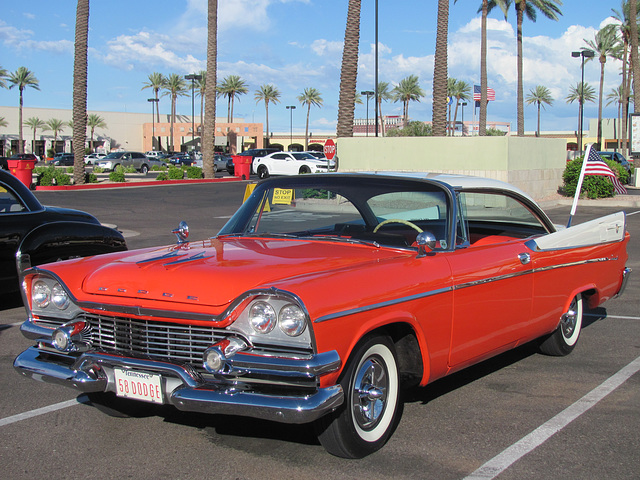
569, 321
370, 393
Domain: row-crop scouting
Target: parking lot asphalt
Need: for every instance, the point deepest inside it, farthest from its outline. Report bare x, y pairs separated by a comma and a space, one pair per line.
518, 415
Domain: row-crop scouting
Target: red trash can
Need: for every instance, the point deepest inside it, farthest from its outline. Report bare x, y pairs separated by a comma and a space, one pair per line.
242, 166
22, 169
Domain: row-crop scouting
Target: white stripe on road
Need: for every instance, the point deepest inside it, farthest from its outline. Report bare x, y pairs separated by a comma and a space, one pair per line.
515, 452
41, 411
615, 317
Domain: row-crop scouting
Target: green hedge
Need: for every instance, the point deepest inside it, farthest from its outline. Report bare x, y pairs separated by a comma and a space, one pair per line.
593, 186
117, 175
49, 176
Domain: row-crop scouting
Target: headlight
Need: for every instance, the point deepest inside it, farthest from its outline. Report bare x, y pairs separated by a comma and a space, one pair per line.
262, 317
41, 294
59, 297
292, 320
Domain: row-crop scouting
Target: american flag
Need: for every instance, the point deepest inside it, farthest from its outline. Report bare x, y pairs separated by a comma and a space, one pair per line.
477, 93
597, 166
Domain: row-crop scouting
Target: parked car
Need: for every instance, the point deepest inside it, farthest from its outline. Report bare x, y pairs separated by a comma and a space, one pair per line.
258, 152
127, 159
618, 158
153, 154
93, 158
332, 294
39, 234
24, 156
288, 163
4, 165
63, 159
180, 159
220, 162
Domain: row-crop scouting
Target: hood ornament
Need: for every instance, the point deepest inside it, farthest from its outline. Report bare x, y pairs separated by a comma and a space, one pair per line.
182, 232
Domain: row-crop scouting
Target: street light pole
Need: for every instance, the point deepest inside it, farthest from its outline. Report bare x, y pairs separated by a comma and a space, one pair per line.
582, 54
291, 108
368, 93
376, 98
153, 101
193, 77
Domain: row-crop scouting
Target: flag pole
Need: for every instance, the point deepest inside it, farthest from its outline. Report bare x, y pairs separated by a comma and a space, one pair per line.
579, 186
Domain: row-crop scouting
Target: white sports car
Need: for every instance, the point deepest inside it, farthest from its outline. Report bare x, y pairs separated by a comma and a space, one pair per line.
288, 163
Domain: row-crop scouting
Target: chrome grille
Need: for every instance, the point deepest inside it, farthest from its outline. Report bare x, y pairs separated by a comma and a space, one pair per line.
168, 341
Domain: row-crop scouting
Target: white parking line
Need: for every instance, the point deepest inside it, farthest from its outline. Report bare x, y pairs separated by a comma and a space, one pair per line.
515, 452
615, 317
41, 411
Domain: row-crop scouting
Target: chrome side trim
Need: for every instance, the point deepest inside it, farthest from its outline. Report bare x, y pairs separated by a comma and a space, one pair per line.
376, 306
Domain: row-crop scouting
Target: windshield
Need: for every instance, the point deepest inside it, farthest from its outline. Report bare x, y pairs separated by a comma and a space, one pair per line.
389, 212
113, 155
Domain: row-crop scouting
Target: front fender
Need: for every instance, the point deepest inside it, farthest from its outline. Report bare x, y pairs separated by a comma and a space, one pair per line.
63, 240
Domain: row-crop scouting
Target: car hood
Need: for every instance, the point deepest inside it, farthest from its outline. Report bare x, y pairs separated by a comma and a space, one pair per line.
216, 271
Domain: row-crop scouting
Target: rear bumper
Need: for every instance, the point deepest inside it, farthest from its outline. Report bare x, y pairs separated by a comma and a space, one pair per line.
185, 388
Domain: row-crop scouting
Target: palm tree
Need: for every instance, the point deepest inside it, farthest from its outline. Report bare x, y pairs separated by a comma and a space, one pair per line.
551, 10
461, 91
605, 44
209, 127
174, 86
3, 122
624, 28
34, 123
201, 87
616, 95
80, 90
484, 9
232, 87
95, 121
439, 115
309, 97
349, 71
633, 13
541, 96
409, 90
156, 83
582, 93
267, 93
22, 78
56, 126
3, 76
383, 94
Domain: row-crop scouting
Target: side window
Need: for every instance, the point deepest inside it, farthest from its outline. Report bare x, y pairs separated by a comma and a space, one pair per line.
9, 202
280, 156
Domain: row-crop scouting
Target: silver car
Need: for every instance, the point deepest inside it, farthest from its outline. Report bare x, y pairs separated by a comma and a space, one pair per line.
127, 159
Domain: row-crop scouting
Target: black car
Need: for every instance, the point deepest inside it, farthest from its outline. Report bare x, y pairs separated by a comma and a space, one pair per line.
32, 234
253, 153
618, 158
63, 159
4, 165
180, 159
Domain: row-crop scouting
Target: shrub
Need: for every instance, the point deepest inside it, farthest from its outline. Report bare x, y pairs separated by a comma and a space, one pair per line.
69, 169
52, 176
194, 172
593, 186
162, 176
159, 168
90, 178
175, 173
130, 170
98, 170
117, 175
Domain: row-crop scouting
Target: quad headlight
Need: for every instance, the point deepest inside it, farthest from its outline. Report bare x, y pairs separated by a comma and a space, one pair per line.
263, 318
292, 320
50, 298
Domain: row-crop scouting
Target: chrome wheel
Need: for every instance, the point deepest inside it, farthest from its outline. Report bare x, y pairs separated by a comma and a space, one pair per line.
564, 339
370, 394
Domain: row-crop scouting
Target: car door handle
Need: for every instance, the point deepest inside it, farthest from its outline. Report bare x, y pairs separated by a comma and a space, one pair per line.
525, 258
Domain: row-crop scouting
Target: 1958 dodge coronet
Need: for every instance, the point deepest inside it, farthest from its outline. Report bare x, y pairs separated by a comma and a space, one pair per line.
321, 298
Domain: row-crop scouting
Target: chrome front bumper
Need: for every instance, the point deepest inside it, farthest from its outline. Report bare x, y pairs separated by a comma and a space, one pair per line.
186, 389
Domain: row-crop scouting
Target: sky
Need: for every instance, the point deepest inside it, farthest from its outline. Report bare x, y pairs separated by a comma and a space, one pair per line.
296, 44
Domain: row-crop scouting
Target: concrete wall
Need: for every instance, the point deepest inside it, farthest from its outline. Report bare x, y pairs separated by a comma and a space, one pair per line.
533, 164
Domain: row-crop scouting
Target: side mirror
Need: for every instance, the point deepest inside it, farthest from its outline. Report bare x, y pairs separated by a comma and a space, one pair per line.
182, 232
426, 242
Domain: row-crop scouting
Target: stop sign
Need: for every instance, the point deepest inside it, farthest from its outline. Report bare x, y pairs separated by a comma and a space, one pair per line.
329, 149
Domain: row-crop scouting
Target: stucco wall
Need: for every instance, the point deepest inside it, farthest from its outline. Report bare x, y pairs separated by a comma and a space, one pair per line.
533, 164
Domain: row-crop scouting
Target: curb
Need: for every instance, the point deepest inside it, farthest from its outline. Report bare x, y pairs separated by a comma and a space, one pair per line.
151, 183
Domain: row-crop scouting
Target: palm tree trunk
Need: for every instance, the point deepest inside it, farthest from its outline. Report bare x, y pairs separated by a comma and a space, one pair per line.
209, 128
80, 90
20, 145
306, 130
173, 116
439, 114
349, 71
482, 120
520, 96
538, 130
625, 99
601, 93
380, 115
633, 15
266, 108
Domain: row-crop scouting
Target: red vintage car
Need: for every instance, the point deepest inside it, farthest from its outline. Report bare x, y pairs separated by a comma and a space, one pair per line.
321, 298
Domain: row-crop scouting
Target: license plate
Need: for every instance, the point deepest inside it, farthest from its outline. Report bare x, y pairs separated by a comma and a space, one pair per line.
138, 385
